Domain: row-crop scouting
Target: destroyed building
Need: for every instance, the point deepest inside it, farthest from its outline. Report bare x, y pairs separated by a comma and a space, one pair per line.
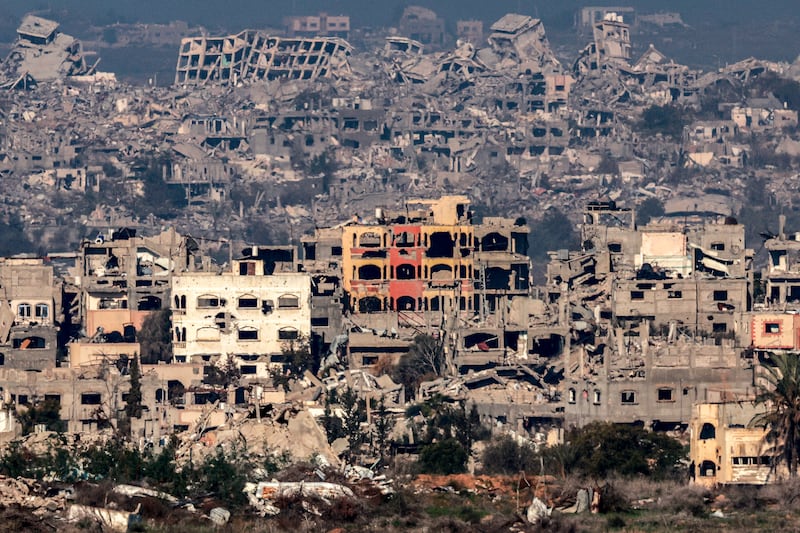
611, 44
659, 317
42, 54
252, 55
121, 277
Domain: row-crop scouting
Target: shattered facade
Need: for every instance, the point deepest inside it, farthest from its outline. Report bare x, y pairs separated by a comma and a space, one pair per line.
252, 55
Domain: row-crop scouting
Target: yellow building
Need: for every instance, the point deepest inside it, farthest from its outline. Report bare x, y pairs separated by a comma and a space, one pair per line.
725, 450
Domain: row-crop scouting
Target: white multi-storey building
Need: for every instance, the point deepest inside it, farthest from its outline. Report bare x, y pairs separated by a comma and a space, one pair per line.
249, 314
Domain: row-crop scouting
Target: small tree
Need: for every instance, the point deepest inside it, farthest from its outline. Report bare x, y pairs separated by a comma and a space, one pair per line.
382, 427
297, 358
505, 456
425, 358
47, 413
334, 428
154, 337
353, 416
133, 405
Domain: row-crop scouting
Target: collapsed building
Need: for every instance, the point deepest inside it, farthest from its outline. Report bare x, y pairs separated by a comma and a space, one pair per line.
42, 54
252, 55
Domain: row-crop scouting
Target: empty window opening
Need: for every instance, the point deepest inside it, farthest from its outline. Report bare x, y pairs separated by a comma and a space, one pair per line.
772, 327
29, 343
666, 394
288, 334
91, 398
148, 303
247, 268
708, 431
406, 303
405, 272
637, 295
494, 242
369, 304
441, 271
441, 245
708, 469
628, 397
248, 334
370, 240
369, 272
248, 302
720, 296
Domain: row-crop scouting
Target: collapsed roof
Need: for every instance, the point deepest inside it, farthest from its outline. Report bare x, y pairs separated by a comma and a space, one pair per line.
42, 54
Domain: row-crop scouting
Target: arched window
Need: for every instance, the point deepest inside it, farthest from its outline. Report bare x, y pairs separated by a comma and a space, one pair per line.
708, 431
42, 311
405, 271
288, 301
369, 304
369, 272
30, 343
708, 469
288, 334
208, 334
208, 301
441, 271
24, 310
248, 333
406, 303
248, 301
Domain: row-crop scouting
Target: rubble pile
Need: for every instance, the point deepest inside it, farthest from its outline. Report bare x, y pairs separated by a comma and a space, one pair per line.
29, 494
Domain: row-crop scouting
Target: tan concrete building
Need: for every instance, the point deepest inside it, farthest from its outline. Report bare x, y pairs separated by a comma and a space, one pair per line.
725, 450
30, 314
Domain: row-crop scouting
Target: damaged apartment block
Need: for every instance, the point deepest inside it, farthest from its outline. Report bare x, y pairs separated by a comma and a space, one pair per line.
658, 317
252, 55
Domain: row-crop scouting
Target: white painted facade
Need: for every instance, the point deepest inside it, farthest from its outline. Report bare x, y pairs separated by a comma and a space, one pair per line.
246, 316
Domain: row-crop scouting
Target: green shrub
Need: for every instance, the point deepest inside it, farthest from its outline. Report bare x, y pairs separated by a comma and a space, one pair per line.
504, 456
444, 457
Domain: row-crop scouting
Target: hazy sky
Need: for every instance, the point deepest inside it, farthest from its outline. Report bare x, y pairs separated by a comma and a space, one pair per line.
262, 13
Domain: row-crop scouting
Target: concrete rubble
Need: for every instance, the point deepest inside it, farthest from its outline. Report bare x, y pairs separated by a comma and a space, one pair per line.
384, 166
